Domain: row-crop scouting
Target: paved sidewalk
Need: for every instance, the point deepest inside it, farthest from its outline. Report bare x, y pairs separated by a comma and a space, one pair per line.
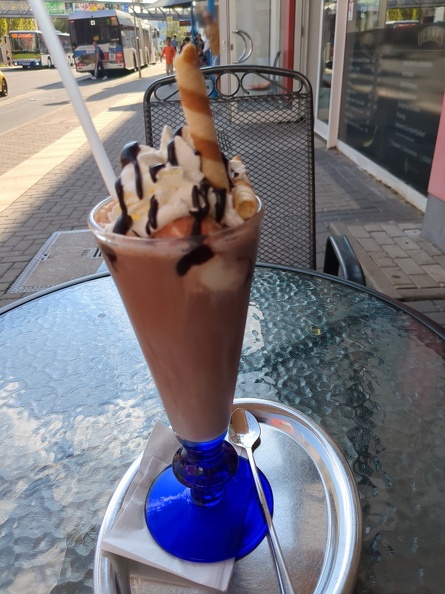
63, 184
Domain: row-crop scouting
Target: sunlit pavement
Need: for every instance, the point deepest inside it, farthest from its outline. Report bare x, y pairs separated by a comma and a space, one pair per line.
50, 181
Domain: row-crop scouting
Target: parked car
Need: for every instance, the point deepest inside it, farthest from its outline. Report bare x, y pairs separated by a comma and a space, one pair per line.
3, 85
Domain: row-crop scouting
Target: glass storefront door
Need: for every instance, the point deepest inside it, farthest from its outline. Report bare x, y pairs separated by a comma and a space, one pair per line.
327, 56
255, 32
249, 31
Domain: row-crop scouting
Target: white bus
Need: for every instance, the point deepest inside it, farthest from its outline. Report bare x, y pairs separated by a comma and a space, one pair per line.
28, 49
115, 33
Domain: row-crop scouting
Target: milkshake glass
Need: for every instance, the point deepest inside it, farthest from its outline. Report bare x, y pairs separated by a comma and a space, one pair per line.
187, 300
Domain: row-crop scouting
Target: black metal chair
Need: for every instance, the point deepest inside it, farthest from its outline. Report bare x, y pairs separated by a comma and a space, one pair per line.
264, 115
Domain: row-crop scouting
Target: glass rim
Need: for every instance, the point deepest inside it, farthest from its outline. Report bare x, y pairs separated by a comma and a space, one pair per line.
96, 228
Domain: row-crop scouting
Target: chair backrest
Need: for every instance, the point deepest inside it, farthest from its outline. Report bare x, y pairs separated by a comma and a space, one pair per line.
264, 115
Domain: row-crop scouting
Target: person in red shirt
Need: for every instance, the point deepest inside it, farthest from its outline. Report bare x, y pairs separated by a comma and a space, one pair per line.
169, 52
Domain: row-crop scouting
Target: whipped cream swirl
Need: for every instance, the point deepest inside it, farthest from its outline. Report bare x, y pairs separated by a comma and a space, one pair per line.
158, 187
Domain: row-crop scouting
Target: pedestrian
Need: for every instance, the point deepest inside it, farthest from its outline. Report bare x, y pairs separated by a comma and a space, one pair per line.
169, 52
8, 58
199, 44
184, 43
175, 42
212, 35
99, 62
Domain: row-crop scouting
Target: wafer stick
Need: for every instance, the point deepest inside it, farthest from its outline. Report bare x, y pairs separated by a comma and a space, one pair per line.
195, 104
244, 199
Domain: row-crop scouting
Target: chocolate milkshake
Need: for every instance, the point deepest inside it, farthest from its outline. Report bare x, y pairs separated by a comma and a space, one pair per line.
181, 244
187, 300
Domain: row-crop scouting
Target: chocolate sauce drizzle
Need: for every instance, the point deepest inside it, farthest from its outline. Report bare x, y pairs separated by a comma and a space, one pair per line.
200, 255
152, 215
154, 170
171, 153
109, 255
130, 154
220, 206
124, 222
201, 205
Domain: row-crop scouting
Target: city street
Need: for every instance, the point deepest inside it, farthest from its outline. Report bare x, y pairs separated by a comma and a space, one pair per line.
36, 93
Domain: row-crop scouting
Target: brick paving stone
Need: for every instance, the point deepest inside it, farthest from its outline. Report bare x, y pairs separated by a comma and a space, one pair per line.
394, 251
406, 243
408, 266
429, 248
373, 227
392, 229
383, 262
413, 233
436, 272
426, 306
440, 260
406, 226
423, 281
421, 257
382, 238
4, 267
370, 245
397, 277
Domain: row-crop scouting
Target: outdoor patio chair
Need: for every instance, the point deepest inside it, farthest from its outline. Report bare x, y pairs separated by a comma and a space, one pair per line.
264, 115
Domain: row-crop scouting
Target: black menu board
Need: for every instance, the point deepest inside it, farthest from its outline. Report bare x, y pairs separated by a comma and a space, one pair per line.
393, 87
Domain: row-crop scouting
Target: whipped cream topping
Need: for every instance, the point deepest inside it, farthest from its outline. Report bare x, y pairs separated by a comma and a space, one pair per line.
157, 187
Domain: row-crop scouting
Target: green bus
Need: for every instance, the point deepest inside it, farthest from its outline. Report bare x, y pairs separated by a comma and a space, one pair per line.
28, 49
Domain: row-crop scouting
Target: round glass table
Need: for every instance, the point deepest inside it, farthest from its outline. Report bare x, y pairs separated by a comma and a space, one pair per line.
77, 405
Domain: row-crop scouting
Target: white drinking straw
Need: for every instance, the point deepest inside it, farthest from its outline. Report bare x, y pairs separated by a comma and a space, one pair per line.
59, 58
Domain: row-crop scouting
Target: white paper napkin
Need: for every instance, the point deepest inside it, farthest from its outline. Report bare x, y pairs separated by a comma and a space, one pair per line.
130, 537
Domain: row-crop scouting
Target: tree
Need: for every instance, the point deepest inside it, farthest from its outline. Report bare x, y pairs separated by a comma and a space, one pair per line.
7, 25
61, 25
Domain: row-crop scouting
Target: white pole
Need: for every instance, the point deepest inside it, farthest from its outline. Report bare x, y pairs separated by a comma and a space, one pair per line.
138, 46
56, 50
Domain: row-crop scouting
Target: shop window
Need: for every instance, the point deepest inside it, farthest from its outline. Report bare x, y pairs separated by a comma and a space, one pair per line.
394, 83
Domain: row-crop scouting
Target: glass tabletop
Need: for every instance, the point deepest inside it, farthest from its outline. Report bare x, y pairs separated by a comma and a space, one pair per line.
77, 404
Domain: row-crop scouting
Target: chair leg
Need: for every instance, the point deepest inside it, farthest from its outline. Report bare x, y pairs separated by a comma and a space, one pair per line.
340, 255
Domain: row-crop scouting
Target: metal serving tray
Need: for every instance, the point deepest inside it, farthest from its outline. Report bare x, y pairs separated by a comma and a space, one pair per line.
317, 514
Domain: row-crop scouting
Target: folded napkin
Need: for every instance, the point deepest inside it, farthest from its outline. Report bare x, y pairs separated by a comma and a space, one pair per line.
130, 537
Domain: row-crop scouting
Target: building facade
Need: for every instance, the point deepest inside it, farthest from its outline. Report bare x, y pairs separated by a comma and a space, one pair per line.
377, 69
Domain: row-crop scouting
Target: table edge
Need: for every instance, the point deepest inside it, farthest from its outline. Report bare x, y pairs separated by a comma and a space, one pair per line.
420, 317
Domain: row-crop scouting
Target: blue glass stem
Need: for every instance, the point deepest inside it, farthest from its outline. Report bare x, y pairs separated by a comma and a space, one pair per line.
204, 507
205, 468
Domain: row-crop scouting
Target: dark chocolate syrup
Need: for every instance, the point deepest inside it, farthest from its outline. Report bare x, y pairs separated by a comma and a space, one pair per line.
220, 206
200, 255
129, 154
109, 255
201, 206
171, 153
154, 170
124, 222
153, 214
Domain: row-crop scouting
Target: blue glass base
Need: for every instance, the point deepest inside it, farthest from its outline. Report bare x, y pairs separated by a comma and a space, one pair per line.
231, 526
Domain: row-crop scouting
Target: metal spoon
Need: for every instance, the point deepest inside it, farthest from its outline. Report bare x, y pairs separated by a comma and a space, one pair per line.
245, 431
